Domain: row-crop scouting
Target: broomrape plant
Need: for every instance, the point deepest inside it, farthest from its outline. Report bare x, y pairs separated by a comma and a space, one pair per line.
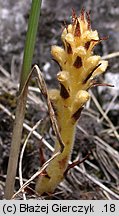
79, 67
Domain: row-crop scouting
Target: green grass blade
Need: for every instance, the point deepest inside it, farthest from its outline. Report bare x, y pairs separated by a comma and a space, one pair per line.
30, 41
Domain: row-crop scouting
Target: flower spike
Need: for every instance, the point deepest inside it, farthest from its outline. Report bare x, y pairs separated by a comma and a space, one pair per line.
79, 68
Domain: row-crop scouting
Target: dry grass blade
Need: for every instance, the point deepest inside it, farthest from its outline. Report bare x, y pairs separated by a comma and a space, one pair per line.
28, 128
36, 174
108, 158
22, 153
104, 115
109, 131
97, 182
4, 72
107, 148
109, 106
111, 55
103, 144
43, 88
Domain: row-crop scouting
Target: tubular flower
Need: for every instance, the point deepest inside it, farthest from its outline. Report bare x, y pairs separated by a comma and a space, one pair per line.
79, 67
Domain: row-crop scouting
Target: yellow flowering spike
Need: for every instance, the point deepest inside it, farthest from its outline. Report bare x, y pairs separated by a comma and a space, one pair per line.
79, 67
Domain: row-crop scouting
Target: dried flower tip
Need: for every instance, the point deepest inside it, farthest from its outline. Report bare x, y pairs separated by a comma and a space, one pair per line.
82, 15
77, 32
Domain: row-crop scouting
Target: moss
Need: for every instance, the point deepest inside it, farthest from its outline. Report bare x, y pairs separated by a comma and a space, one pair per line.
8, 100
